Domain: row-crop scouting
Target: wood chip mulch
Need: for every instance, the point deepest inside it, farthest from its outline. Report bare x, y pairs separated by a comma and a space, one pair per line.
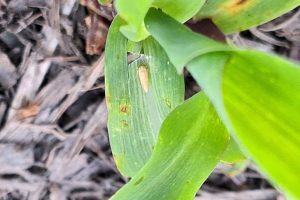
53, 135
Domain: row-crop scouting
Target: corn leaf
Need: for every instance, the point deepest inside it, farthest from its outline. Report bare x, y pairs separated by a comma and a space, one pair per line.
260, 105
141, 90
256, 95
191, 142
179, 9
237, 15
104, 2
233, 153
175, 39
134, 12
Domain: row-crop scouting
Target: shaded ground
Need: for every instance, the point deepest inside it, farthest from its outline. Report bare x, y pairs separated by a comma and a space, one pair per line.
53, 137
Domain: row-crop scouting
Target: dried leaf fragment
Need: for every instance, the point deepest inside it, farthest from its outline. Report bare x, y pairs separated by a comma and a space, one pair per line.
30, 110
144, 77
96, 36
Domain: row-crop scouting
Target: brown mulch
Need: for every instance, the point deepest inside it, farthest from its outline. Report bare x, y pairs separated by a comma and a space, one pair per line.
53, 135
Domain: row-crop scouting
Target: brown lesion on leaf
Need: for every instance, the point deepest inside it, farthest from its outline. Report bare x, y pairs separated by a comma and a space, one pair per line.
124, 109
168, 102
124, 124
235, 6
241, 2
139, 181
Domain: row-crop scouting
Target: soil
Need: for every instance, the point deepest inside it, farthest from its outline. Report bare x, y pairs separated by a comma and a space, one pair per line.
53, 134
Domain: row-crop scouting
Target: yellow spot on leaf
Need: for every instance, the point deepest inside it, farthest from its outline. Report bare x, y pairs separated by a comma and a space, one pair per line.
124, 109
108, 99
124, 124
235, 6
168, 102
119, 160
138, 181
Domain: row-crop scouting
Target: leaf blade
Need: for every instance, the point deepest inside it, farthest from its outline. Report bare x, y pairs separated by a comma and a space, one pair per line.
134, 12
198, 139
233, 153
273, 102
137, 102
273, 107
238, 15
169, 39
179, 9
259, 104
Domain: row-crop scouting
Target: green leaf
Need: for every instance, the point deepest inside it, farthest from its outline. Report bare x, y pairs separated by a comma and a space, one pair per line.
256, 95
105, 2
237, 15
237, 168
134, 12
179, 9
260, 104
176, 37
263, 104
210, 75
233, 153
139, 96
191, 141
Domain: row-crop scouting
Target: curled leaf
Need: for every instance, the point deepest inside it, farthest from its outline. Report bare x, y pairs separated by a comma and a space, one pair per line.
175, 38
237, 15
134, 12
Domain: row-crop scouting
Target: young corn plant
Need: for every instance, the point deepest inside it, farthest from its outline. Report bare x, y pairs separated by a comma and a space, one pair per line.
248, 109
